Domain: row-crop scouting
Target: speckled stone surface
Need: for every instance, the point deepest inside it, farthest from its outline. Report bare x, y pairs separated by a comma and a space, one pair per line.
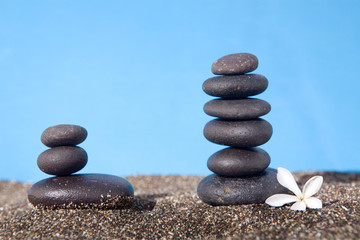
63, 135
239, 109
62, 160
238, 162
236, 86
238, 63
216, 190
76, 191
248, 133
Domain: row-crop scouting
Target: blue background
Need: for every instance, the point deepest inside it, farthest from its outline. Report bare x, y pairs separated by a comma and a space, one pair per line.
131, 73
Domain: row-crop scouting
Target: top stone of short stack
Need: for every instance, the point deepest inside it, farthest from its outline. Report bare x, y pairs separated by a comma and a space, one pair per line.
63, 135
238, 63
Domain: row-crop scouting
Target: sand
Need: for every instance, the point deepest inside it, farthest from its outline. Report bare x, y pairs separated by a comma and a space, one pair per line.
167, 207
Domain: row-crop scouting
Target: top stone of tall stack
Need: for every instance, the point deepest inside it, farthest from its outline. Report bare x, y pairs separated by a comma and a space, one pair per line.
234, 64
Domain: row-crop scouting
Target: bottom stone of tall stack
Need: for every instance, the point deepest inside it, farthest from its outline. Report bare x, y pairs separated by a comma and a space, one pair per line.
82, 191
216, 190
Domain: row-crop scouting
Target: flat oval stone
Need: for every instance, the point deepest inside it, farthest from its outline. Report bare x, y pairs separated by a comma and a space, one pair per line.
238, 109
216, 190
237, 86
238, 63
238, 162
247, 133
62, 160
81, 191
63, 135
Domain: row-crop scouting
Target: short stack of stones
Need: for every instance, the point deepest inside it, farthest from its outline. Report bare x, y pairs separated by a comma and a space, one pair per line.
240, 171
74, 191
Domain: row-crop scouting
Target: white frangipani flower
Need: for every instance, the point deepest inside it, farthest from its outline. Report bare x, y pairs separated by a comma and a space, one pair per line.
302, 199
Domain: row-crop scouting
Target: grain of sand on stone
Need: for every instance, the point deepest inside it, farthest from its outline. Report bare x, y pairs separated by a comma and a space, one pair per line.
168, 207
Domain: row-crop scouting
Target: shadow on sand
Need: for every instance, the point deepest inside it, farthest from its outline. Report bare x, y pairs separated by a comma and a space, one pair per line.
146, 202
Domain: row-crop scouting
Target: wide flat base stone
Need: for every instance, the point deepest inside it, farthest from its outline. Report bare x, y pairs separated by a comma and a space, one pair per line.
216, 190
82, 191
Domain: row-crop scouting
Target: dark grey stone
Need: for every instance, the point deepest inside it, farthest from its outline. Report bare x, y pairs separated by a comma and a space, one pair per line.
239, 109
236, 86
238, 162
83, 190
62, 160
247, 133
216, 190
63, 135
238, 63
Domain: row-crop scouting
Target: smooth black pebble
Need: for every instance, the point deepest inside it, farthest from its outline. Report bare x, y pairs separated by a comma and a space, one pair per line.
238, 162
83, 190
247, 133
62, 160
237, 86
216, 190
239, 109
238, 63
63, 135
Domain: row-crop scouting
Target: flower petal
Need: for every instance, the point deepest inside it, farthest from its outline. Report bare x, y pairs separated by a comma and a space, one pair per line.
286, 179
312, 186
298, 206
313, 202
278, 200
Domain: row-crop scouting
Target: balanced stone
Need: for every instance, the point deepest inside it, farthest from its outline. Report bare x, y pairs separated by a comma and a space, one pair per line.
247, 133
63, 135
83, 190
236, 86
239, 109
216, 190
62, 160
238, 162
238, 63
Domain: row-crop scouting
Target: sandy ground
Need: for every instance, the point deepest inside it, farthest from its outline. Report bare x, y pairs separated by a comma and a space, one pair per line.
167, 207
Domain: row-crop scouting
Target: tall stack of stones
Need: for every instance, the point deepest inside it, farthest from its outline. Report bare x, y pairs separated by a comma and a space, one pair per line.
74, 191
240, 171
